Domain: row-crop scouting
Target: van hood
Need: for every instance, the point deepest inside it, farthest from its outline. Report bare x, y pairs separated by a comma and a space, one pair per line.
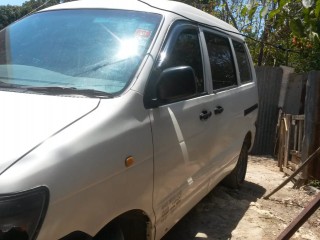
26, 120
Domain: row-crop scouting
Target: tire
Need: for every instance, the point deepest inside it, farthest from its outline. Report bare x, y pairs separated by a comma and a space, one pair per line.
124, 228
113, 232
236, 178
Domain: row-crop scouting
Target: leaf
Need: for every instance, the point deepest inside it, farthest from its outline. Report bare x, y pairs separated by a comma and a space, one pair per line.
252, 12
244, 11
317, 10
264, 11
273, 13
282, 3
296, 27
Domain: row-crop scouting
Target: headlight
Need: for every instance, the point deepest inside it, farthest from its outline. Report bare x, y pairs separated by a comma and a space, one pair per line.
21, 214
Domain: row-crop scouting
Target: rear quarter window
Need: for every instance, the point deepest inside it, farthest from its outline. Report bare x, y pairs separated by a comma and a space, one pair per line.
221, 61
243, 62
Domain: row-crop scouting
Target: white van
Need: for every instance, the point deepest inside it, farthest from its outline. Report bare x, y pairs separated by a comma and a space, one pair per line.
117, 117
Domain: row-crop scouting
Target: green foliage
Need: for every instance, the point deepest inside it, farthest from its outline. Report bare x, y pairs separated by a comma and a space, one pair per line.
273, 13
252, 11
31, 5
317, 9
296, 26
9, 14
288, 29
314, 183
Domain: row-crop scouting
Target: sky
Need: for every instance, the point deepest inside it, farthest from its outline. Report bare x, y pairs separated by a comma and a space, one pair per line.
12, 2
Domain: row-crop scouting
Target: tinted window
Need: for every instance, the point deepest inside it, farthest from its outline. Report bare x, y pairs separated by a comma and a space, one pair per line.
83, 49
243, 62
221, 62
186, 52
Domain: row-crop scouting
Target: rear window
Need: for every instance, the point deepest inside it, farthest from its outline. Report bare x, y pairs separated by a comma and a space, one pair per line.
85, 49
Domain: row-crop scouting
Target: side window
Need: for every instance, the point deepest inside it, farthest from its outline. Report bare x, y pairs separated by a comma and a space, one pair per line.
186, 52
221, 61
243, 62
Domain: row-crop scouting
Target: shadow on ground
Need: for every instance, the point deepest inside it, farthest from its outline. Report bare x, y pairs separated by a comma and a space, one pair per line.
217, 215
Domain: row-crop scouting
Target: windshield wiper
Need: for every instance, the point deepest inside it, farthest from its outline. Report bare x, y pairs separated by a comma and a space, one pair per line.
56, 90
11, 87
102, 64
7, 85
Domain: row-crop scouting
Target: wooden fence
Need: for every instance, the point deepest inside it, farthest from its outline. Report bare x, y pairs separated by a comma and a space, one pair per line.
288, 124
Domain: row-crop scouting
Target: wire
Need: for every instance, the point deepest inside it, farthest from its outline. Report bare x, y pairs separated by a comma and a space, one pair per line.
36, 9
221, 29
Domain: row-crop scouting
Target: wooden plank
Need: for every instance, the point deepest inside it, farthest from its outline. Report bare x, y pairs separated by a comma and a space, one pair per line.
287, 139
281, 144
300, 219
300, 137
287, 171
295, 136
297, 117
301, 167
295, 157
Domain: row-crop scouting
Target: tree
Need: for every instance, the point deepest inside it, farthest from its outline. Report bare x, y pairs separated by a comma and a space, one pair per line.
288, 30
9, 14
35, 5
294, 26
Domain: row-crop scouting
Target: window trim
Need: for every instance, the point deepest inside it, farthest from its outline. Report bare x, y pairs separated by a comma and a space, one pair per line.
170, 38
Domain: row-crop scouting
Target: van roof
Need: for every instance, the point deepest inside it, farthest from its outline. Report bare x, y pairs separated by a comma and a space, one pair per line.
164, 7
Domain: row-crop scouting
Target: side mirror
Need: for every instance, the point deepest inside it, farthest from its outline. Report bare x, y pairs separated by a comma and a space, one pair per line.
174, 84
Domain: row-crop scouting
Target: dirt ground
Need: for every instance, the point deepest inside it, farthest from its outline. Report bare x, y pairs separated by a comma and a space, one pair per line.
243, 214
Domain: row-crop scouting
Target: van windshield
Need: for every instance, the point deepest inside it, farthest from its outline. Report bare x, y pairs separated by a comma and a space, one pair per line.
97, 50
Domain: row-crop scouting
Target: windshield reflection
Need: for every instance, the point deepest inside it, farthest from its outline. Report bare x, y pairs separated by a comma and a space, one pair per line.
82, 49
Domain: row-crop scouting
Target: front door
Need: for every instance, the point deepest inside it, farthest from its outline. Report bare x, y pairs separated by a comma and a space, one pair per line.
180, 134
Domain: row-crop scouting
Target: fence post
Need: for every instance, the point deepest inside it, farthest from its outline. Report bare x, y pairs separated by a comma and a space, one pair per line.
311, 140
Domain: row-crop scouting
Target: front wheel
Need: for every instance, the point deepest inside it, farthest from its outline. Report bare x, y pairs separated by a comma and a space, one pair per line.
236, 178
113, 232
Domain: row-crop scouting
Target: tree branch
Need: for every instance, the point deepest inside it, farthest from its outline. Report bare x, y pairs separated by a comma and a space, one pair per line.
230, 14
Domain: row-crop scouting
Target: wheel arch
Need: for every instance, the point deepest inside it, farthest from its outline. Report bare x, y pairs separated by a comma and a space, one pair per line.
134, 220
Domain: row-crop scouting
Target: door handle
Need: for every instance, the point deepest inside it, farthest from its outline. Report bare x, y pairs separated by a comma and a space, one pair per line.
204, 115
218, 110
